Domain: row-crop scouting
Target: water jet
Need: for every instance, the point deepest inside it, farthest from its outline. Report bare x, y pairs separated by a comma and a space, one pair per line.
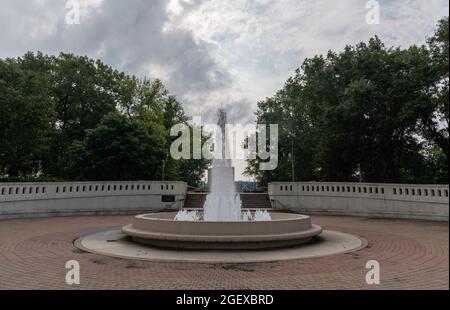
222, 224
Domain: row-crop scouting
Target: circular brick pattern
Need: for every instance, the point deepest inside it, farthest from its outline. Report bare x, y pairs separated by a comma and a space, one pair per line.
113, 243
412, 255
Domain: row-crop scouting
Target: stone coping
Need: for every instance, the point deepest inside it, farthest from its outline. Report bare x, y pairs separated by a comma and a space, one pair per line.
113, 243
160, 229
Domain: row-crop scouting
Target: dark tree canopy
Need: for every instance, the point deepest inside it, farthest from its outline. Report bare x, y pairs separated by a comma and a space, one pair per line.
119, 148
27, 112
368, 113
74, 118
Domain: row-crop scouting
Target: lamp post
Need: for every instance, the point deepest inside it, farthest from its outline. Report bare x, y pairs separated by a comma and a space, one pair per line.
292, 137
163, 177
292, 159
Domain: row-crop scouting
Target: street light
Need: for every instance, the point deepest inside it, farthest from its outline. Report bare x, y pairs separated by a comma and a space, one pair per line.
163, 177
291, 135
292, 159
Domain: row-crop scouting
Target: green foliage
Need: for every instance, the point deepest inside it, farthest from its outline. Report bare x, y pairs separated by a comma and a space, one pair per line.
29, 179
366, 113
119, 148
150, 103
74, 118
190, 171
435, 125
437, 165
26, 115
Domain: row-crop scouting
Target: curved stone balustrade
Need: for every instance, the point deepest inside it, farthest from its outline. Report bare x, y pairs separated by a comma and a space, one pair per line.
424, 202
84, 198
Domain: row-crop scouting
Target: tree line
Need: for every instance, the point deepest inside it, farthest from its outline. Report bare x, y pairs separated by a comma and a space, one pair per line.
368, 113
68, 117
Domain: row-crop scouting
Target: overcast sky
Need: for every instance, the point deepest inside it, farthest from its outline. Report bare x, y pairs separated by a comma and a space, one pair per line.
211, 52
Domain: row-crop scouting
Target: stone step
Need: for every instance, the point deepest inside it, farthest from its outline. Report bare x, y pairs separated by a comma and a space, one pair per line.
249, 200
194, 200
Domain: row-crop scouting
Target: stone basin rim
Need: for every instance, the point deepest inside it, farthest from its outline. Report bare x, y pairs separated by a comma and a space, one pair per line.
132, 232
161, 229
287, 217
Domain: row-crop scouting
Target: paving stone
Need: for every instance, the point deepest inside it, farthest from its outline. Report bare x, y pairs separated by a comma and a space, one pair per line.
412, 255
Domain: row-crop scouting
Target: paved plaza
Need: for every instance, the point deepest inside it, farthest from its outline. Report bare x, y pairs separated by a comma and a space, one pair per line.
412, 255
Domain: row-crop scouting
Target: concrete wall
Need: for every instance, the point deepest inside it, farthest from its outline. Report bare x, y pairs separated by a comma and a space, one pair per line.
19, 200
423, 202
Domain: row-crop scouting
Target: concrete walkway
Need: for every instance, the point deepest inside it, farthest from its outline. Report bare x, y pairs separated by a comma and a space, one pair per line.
412, 254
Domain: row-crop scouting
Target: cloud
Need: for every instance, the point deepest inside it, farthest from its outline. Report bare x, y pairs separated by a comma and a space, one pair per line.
262, 42
129, 35
211, 52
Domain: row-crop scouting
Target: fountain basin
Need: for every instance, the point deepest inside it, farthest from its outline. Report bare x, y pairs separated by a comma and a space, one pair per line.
161, 230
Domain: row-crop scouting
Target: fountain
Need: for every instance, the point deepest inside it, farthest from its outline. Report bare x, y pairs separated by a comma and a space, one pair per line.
223, 204
222, 224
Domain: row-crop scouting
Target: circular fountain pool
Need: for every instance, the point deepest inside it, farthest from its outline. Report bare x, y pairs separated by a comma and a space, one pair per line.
161, 230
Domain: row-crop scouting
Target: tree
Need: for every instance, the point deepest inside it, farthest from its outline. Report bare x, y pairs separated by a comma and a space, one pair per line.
118, 149
26, 115
59, 115
367, 113
149, 102
84, 92
435, 125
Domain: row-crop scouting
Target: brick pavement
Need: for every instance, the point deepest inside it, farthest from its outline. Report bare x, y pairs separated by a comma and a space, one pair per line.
412, 254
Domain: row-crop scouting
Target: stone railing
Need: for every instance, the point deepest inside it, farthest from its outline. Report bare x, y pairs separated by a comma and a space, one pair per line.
425, 202
84, 198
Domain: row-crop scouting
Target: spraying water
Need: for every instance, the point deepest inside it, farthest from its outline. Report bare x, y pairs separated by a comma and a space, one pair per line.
223, 204
188, 216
